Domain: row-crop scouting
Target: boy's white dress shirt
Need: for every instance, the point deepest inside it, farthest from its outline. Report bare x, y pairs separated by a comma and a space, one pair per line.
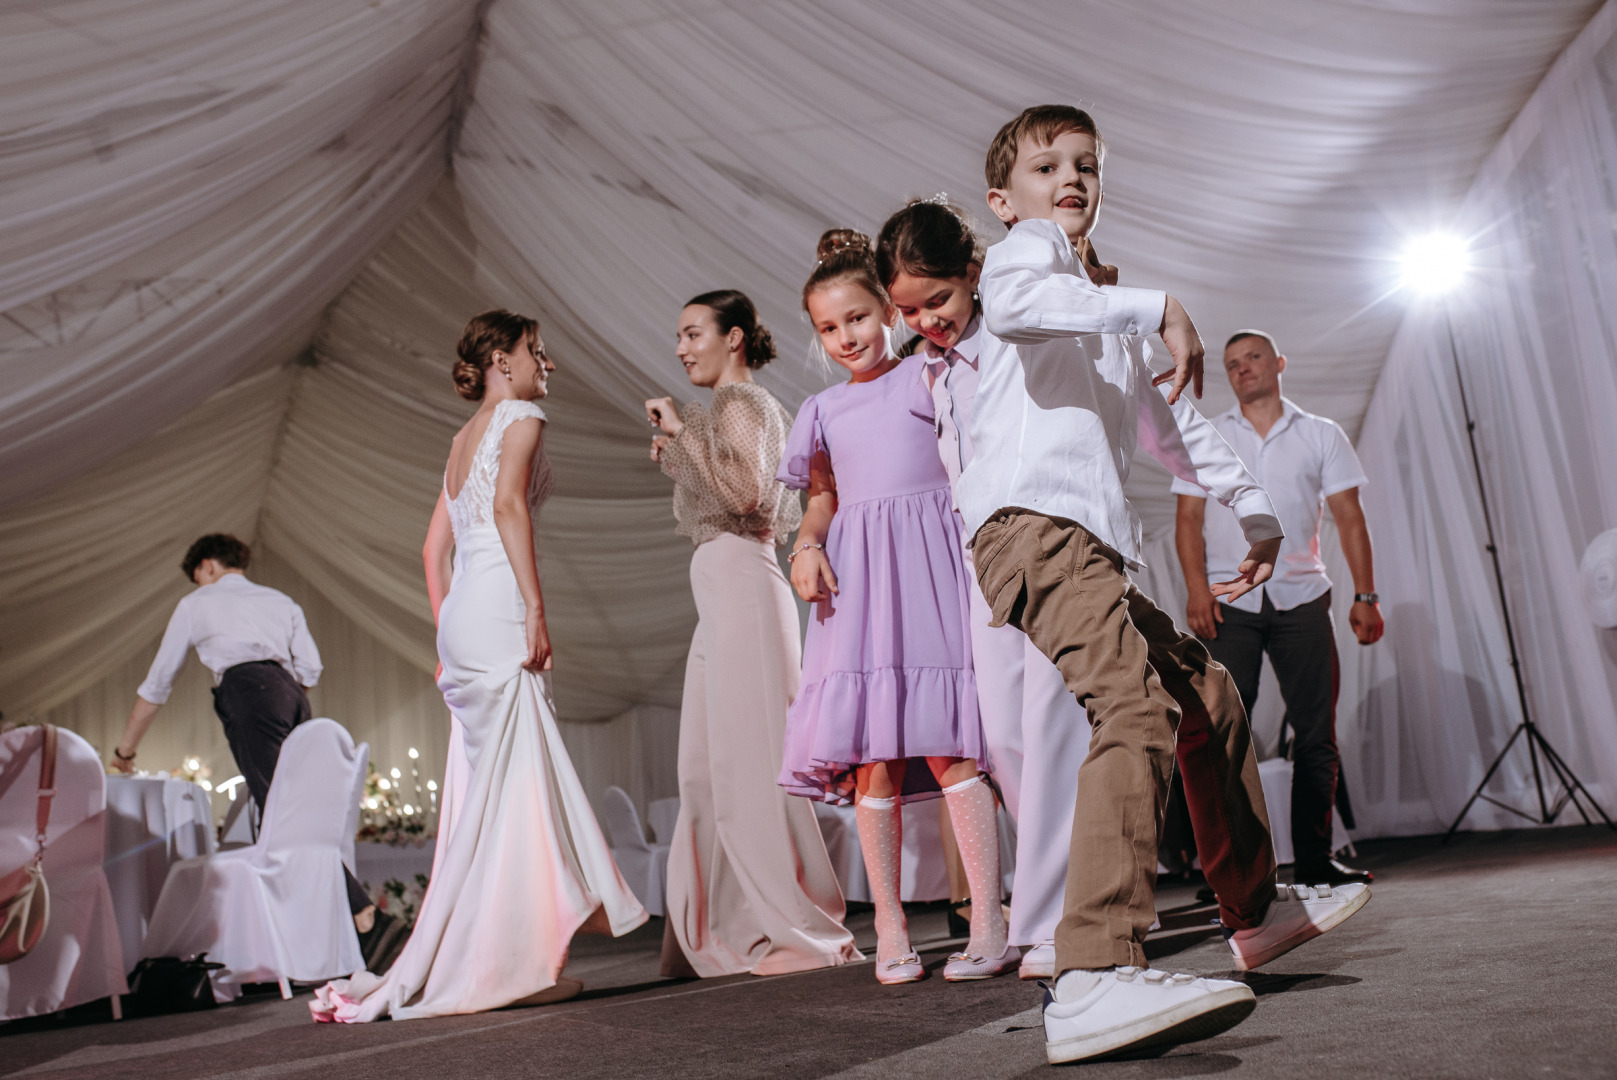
1064, 393
230, 622
1303, 460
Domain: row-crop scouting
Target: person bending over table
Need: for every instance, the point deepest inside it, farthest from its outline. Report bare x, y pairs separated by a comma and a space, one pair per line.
257, 644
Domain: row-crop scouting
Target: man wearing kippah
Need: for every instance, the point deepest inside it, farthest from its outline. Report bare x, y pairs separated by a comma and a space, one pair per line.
1305, 463
255, 641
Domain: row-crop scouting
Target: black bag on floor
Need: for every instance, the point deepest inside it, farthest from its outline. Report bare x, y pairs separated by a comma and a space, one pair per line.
167, 984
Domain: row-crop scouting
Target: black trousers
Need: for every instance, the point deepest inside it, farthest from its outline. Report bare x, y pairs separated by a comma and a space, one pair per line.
259, 704
1302, 647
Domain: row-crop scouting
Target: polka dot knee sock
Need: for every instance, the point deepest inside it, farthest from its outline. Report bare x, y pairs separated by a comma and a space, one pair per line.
881, 836
975, 817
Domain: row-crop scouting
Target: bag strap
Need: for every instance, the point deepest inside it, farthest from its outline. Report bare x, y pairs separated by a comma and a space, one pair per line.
47, 786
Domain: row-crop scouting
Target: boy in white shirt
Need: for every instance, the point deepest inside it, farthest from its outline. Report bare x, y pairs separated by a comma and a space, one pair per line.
1059, 405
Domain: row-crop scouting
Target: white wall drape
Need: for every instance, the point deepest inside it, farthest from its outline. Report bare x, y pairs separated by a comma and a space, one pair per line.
1533, 327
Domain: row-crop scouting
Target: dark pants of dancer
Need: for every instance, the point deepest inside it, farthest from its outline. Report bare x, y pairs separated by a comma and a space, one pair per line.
1302, 647
1143, 683
259, 704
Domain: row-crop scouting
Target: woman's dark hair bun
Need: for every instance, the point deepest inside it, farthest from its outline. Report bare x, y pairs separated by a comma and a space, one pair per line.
468, 380
833, 242
731, 309
491, 332
760, 346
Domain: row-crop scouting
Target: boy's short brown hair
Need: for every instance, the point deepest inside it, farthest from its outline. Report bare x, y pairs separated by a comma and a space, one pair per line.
1043, 124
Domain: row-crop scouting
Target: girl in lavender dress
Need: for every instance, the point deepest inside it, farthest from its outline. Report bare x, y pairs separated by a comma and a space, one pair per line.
887, 711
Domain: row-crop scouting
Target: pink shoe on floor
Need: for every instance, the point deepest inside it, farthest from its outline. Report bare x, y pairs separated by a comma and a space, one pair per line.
963, 967
900, 969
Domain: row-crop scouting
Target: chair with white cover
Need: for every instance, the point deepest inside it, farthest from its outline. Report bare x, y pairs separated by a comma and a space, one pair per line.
663, 816
644, 865
278, 910
79, 957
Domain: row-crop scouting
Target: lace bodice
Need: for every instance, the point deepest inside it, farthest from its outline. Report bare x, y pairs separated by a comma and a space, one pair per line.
723, 464
474, 506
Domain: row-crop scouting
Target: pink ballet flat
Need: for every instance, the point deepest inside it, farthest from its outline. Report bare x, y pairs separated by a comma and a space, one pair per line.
963, 967
900, 969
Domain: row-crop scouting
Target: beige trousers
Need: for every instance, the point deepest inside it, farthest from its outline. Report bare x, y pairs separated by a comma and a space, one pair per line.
1144, 684
750, 887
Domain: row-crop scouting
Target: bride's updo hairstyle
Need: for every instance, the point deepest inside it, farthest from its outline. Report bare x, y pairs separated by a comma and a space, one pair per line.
845, 255
732, 309
491, 332
929, 238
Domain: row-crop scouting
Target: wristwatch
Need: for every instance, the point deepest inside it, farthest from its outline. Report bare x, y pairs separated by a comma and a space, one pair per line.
1367, 598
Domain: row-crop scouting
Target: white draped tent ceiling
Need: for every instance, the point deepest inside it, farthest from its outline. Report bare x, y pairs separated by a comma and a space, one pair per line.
237, 245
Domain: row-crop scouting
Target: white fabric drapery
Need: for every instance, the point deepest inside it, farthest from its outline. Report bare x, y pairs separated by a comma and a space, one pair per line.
1533, 331
232, 273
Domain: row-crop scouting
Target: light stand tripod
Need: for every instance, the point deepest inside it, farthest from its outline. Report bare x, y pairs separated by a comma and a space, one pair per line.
1536, 742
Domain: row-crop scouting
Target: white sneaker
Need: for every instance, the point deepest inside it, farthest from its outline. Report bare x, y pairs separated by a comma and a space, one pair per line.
1137, 1009
1039, 962
1300, 912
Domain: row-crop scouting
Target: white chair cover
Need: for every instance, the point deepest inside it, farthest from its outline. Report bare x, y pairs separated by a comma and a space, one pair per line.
662, 815
278, 909
79, 958
644, 865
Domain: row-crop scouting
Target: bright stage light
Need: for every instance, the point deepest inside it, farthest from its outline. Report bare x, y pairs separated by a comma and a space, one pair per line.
1434, 264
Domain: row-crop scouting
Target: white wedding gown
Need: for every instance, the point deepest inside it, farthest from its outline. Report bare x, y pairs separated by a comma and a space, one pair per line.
521, 864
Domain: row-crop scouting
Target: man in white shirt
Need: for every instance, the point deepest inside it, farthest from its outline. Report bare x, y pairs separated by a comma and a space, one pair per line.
1305, 463
256, 642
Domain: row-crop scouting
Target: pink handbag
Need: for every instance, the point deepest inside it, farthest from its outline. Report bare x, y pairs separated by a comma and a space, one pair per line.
25, 904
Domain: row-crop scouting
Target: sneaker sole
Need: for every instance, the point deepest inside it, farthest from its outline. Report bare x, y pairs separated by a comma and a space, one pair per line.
976, 978
1306, 933
1191, 1022
1028, 975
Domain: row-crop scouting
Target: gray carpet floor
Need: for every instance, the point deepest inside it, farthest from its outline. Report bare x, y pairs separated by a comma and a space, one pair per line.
1491, 957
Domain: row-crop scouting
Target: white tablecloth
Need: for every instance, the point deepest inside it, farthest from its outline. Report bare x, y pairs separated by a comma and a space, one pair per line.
152, 822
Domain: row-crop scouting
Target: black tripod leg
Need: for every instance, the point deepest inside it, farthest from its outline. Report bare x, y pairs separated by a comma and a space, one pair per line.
1477, 794
1574, 786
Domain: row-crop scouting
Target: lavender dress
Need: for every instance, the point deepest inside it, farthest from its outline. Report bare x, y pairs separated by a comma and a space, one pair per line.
887, 661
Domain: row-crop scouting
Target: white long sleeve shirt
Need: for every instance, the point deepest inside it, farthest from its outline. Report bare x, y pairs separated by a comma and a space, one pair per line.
230, 622
1301, 462
1064, 395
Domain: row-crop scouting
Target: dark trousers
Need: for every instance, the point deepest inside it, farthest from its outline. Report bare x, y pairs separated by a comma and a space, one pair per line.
1302, 647
259, 704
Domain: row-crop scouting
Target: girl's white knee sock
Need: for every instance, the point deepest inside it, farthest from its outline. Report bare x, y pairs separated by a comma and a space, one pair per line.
881, 836
975, 816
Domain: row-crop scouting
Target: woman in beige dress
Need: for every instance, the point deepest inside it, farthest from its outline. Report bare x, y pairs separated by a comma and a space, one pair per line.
750, 887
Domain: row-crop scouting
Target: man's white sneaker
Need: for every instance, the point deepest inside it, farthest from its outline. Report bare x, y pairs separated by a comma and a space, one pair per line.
1039, 962
1088, 1014
1299, 913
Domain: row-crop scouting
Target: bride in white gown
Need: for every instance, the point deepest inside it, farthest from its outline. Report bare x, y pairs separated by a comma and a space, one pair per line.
521, 864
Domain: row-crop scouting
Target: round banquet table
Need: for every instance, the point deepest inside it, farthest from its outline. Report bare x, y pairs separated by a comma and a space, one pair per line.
152, 822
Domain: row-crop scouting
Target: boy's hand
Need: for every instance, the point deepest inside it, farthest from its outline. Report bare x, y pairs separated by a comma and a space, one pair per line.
812, 576
1098, 272
1185, 346
1258, 567
1202, 613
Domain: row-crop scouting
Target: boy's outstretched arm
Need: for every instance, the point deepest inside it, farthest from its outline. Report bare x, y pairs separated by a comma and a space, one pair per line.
1029, 297
1191, 448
